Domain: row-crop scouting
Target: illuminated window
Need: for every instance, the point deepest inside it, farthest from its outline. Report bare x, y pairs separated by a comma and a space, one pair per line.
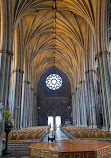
54, 81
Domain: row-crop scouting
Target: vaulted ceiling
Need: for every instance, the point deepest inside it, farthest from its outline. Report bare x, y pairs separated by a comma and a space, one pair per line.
54, 32
54, 39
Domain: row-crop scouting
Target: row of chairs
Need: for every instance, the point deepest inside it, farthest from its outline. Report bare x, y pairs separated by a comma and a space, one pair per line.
86, 132
31, 133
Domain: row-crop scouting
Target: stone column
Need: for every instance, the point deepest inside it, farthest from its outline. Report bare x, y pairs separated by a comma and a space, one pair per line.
78, 106
12, 93
31, 106
92, 96
35, 110
83, 104
105, 86
74, 109
20, 96
17, 95
25, 105
5, 70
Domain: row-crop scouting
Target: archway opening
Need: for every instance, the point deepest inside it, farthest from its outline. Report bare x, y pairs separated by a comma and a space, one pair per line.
50, 121
54, 97
58, 121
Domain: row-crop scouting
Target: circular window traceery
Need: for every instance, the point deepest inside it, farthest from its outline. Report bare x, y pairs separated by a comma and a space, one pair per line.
54, 81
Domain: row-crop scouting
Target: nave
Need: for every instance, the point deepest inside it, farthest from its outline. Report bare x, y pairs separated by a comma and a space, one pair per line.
19, 146
55, 60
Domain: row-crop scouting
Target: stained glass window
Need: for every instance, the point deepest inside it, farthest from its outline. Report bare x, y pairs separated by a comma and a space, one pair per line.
54, 81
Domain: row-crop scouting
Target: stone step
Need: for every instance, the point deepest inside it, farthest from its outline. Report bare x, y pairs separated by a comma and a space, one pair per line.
19, 146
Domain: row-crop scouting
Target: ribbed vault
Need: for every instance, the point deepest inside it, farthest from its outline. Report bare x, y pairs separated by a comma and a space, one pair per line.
72, 36
54, 36
54, 33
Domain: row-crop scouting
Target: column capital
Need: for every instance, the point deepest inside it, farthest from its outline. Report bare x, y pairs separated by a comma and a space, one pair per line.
76, 89
8, 52
32, 89
17, 70
13, 71
99, 54
82, 81
26, 82
21, 71
91, 70
2, 51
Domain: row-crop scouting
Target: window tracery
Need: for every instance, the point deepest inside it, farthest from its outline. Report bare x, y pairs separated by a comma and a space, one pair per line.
53, 81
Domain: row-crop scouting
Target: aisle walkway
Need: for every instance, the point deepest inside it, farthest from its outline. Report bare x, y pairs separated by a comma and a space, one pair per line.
59, 135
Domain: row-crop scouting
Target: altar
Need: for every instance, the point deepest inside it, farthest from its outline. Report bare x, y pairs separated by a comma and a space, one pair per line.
71, 149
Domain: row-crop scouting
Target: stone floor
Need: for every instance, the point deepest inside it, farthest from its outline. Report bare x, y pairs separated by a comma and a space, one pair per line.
59, 135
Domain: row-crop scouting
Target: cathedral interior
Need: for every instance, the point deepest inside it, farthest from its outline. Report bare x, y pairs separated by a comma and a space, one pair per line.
55, 60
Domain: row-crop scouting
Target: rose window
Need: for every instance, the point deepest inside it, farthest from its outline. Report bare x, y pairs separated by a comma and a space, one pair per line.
54, 81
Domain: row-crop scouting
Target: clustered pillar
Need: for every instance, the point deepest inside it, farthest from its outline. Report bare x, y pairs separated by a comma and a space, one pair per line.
22, 100
92, 96
25, 104
5, 68
85, 102
82, 104
105, 86
31, 107
16, 92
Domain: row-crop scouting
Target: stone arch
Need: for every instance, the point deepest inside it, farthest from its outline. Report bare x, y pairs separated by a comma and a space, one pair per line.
54, 99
